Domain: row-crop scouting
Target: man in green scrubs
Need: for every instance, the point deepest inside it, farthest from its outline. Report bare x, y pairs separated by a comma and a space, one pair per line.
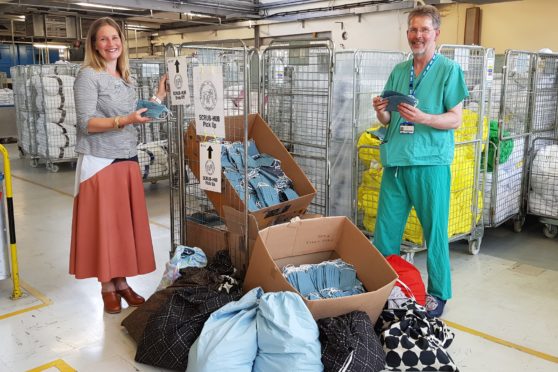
418, 150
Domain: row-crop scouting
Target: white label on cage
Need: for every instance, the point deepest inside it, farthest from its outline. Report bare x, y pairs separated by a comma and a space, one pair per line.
178, 81
210, 166
490, 69
462, 57
208, 101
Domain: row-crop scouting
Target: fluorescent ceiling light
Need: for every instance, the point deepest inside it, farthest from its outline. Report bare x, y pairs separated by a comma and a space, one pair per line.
103, 6
138, 27
198, 15
50, 46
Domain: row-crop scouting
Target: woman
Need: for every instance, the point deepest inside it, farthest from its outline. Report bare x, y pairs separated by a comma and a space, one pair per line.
110, 229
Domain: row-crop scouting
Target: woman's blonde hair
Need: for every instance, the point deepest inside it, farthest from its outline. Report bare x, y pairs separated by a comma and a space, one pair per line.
92, 57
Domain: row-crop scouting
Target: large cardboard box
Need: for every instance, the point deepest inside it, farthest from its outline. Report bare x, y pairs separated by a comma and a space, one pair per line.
313, 241
267, 142
212, 238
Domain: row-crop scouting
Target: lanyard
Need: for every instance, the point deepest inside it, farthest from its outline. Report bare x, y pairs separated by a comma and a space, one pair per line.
412, 88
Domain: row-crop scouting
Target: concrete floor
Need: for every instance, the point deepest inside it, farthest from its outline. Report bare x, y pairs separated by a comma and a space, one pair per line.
503, 311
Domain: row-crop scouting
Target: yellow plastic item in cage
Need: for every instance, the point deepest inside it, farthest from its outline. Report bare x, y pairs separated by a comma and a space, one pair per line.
462, 184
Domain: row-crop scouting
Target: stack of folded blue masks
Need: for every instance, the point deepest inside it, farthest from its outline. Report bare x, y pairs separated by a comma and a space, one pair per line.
395, 98
154, 110
327, 279
267, 183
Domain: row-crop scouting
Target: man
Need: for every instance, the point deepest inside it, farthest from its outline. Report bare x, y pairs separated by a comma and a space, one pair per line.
418, 150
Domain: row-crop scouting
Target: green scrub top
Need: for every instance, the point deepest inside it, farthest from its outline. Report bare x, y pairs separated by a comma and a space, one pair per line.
440, 90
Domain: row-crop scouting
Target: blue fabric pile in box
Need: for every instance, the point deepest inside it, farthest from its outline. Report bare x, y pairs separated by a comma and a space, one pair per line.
327, 279
267, 183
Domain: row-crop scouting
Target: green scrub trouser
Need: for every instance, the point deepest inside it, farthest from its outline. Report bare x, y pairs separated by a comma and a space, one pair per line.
427, 188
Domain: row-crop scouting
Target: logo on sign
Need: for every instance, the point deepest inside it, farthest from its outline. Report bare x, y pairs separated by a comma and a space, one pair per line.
210, 167
208, 95
178, 81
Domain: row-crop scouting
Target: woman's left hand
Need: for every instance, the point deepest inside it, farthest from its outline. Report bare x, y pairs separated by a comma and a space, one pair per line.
162, 89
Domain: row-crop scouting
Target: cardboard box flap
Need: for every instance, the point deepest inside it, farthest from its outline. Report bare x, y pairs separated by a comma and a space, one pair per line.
372, 270
234, 219
289, 239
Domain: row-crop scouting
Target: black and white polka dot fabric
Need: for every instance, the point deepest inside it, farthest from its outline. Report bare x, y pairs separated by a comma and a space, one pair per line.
413, 342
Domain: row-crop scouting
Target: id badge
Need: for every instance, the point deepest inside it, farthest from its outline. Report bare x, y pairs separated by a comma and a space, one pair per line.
407, 128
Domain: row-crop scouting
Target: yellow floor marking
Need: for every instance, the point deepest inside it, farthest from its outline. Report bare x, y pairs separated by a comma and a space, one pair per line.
538, 354
61, 365
33, 292
72, 196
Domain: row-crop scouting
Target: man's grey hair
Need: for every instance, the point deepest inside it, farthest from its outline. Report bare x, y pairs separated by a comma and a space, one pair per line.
426, 11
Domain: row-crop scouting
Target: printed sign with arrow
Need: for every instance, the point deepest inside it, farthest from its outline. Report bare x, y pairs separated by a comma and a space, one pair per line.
210, 166
178, 81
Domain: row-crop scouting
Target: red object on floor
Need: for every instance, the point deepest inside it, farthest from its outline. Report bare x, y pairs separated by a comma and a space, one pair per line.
409, 275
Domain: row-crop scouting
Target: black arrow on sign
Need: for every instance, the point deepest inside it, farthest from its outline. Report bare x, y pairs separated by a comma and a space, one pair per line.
177, 64
209, 151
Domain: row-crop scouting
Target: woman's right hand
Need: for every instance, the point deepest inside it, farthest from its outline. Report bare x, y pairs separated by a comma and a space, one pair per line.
136, 118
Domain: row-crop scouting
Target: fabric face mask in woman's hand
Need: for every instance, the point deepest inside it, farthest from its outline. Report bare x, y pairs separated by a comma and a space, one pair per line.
154, 109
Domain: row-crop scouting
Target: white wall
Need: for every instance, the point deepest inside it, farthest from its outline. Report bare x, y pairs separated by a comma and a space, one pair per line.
381, 30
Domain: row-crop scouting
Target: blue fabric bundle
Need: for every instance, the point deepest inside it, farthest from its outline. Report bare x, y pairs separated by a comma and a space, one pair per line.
395, 98
228, 341
154, 110
267, 183
288, 336
260, 332
327, 279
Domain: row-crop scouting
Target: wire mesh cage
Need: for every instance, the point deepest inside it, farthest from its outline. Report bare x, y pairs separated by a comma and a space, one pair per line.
543, 184
543, 152
358, 77
296, 92
153, 136
545, 99
47, 124
198, 215
466, 192
25, 116
506, 163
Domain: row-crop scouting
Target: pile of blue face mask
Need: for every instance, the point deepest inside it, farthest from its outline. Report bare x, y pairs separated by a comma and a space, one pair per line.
154, 110
395, 98
327, 279
267, 183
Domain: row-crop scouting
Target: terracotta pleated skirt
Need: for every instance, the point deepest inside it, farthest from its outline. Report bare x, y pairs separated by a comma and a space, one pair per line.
110, 227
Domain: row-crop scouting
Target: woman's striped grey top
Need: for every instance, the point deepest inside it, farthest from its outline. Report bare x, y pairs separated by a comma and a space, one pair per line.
101, 95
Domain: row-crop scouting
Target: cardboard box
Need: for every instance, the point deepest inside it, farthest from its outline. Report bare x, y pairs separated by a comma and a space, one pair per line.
313, 241
268, 143
209, 238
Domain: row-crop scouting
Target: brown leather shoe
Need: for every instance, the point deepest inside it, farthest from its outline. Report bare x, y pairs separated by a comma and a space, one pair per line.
112, 302
131, 297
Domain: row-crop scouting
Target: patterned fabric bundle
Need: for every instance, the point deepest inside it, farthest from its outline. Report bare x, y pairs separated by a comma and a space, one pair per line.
414, 342
170, 333
349, 344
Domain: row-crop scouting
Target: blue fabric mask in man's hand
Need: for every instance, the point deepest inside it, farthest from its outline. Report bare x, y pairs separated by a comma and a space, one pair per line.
154, 109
